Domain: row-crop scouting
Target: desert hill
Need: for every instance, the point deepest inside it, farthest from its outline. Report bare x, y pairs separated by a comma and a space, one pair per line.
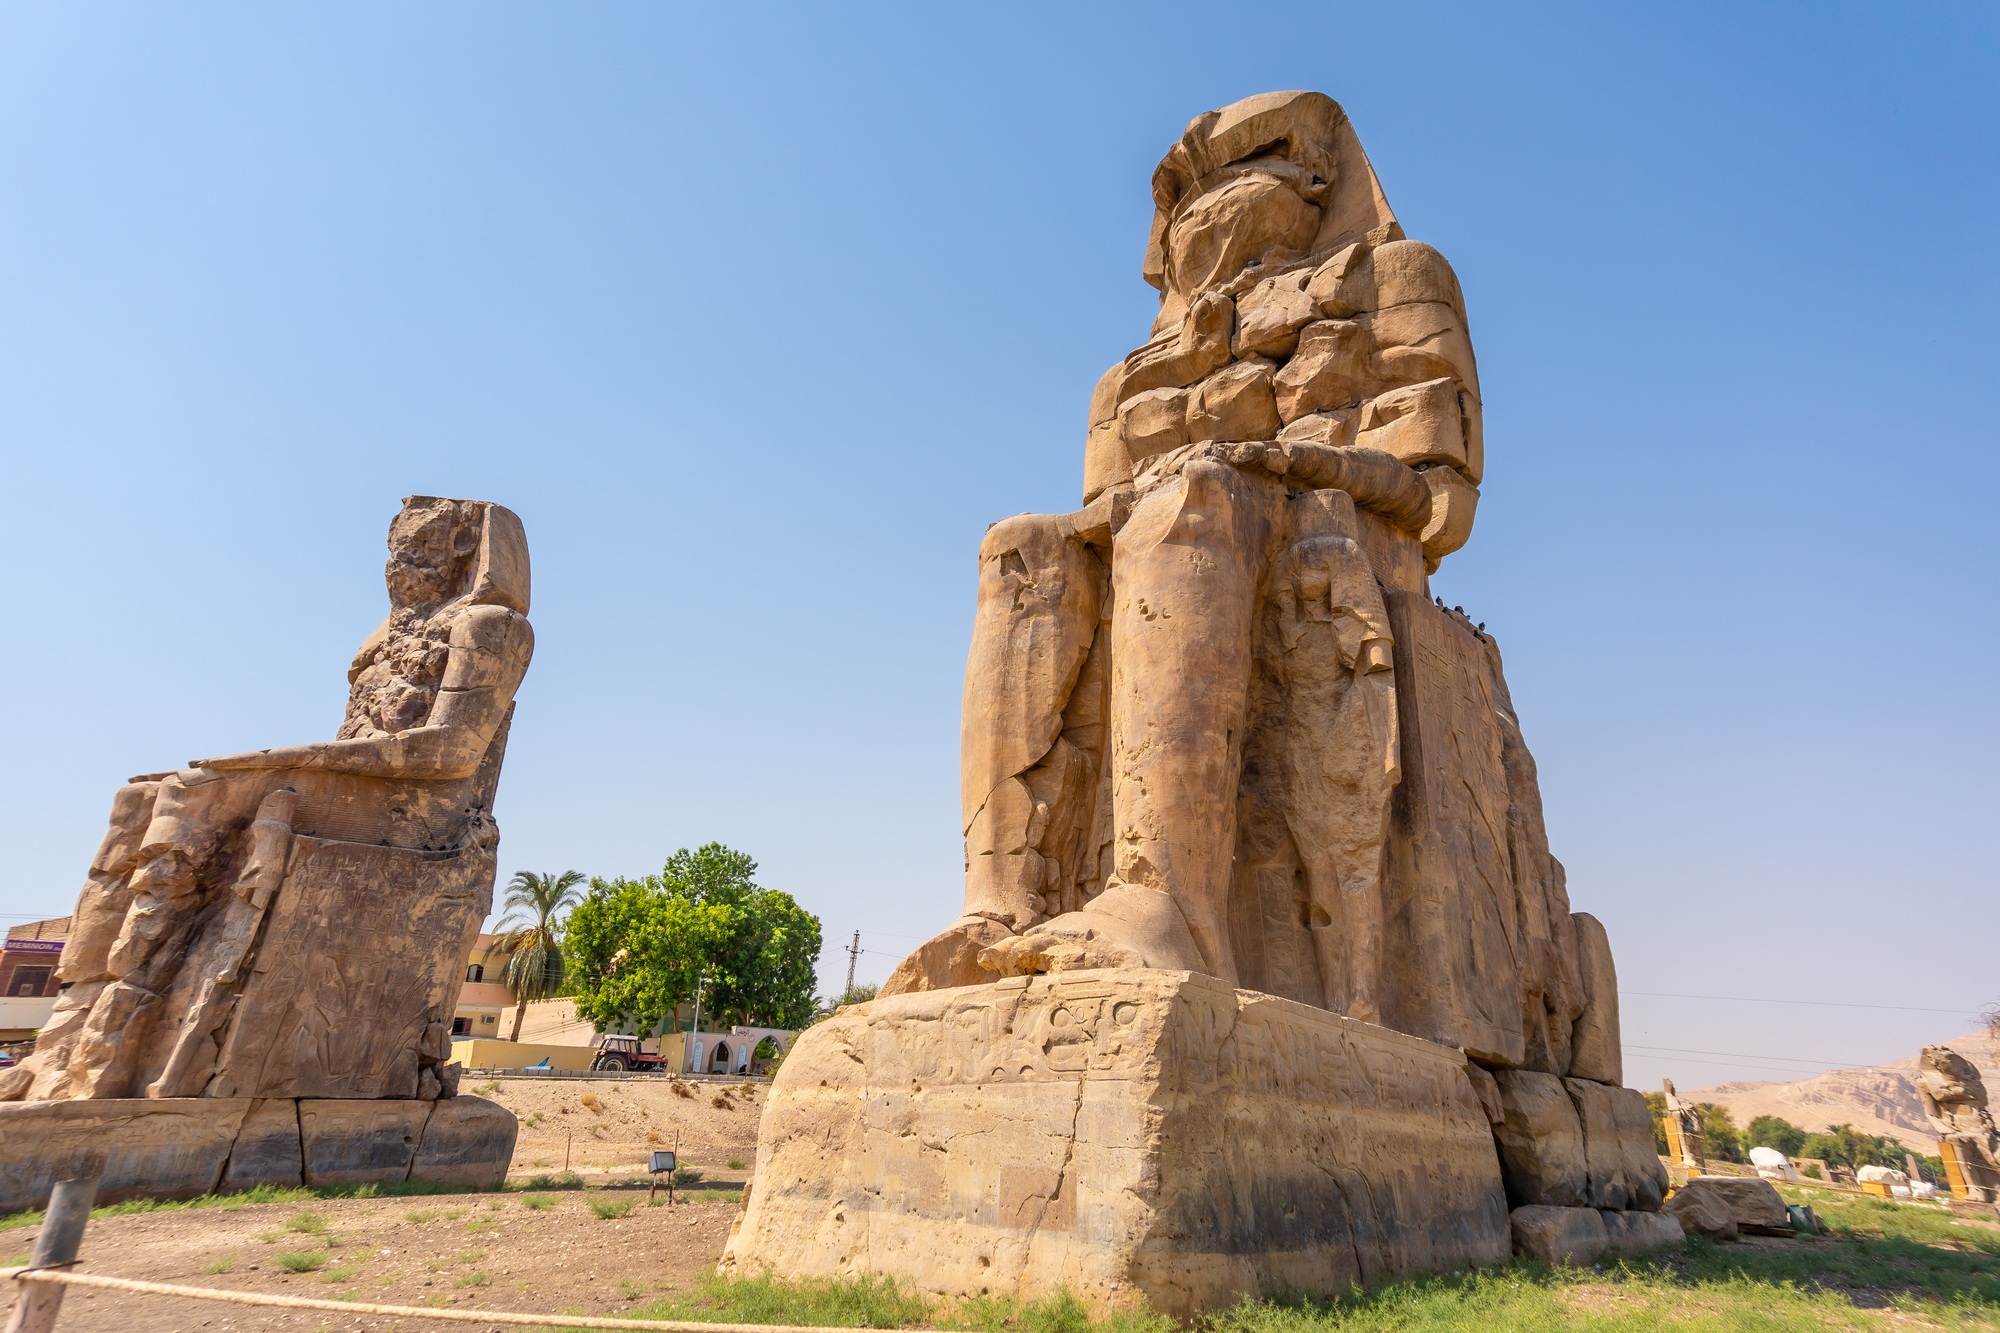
1879, 1099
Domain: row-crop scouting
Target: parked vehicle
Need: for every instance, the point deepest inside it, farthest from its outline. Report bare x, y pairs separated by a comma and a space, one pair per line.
615, 1055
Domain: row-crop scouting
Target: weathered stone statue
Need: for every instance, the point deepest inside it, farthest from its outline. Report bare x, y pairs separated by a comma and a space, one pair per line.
291, 923
1216, 727
1687, 1143
1954, 1098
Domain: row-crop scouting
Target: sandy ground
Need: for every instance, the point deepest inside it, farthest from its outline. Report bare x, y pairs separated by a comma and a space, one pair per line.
614, 1124
468, 1251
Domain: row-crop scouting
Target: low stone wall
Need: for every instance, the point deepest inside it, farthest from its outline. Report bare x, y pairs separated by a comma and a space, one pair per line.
1124, 1133
177, 1148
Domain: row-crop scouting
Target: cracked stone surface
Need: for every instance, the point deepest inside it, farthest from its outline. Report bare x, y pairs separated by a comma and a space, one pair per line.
1124, 1133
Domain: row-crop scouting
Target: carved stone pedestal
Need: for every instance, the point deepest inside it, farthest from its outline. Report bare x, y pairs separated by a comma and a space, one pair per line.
1125, 1134
180, 1147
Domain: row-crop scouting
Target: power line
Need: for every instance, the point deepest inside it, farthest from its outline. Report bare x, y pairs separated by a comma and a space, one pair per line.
1828, 1004
1754, 1055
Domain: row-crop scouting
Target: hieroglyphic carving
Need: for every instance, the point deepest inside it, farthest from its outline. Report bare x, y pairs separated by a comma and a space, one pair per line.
1147, 1133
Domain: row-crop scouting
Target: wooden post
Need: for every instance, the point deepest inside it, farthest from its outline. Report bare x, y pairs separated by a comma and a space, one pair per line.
62, 1236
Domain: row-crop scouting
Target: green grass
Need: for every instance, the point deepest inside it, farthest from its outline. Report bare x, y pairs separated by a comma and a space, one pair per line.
538, 1202
473, 1280
608, 1209
736, 1164
860, 1302
218, 1266
566, 1180
345, 1273
307, 1223
260, 1194
302, 1261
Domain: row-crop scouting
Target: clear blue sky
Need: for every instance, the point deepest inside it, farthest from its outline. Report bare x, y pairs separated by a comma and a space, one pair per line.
757, 315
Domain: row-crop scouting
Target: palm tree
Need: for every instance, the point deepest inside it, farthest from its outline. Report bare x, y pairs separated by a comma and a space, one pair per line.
533, 938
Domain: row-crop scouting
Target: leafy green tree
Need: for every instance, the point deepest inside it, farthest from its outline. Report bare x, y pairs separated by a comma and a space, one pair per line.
531, 937
1719, 1136
1656, 1106
1844, 1145
641, 948
1770, 1131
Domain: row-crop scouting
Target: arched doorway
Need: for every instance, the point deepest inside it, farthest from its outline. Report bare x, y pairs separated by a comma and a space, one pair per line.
719, 1062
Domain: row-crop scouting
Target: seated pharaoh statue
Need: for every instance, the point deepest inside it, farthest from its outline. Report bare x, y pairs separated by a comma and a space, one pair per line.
293, 922
1265, 981
1954, 1101
1213, 720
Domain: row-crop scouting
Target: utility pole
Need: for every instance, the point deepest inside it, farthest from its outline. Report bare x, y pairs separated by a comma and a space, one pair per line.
853, 955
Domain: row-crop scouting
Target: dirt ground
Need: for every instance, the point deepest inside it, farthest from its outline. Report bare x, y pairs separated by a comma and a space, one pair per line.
526, 1250
613, 1124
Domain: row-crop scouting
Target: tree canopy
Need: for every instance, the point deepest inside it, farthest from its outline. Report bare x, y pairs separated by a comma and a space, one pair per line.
532, 937
1770, 1131
640, 947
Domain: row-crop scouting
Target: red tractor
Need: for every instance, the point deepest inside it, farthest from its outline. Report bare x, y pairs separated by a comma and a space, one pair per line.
615, 1055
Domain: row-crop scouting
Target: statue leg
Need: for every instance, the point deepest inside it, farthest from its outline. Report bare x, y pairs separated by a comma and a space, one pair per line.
1186, 568
1029, 754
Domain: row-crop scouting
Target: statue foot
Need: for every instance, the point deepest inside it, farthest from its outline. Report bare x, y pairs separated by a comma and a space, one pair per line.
949, 958
1124, 926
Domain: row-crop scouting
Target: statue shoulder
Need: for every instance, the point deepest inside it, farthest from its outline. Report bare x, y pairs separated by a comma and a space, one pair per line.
1409, 271
490, 645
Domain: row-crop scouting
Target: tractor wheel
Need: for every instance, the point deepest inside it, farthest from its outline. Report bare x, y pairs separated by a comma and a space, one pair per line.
613, 1065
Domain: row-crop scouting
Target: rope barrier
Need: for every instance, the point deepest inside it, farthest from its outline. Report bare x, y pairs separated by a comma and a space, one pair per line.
489, 1317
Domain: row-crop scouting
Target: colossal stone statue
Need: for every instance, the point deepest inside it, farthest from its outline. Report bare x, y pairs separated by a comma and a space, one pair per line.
1216, 728
292, 923
1954, 1099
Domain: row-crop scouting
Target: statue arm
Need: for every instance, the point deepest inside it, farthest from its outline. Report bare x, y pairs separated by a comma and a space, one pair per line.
1375, 479
489, 652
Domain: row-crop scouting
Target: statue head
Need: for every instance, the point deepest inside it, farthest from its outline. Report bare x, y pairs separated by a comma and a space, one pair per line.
1269, 179
441, 550
1952, 1075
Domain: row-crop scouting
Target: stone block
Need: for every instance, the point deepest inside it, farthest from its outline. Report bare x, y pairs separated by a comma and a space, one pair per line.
467, 1141
1702, 1213
1645, 1175
267, 1149
1420, 423
1124, 1133
1595, 1052
1638, 1233
360, 1142
1603, 1145
155, 1149
1541, 1142
1554, 1235
1749, 1200
1235, 403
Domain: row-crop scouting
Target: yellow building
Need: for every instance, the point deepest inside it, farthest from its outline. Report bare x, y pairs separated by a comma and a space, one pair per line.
482, 996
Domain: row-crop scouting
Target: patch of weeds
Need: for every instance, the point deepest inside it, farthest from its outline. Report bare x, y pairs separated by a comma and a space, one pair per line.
345, 1273
478, 1226
212, 1266
611, 1209
496, 1204
473, 1280
540, 1203
487, 1089
736, 1164
437, 1265
856, 1302
631, 1290
471, 1256
421, 1215
687, 1175
454, 1214
535, 1120
306, 1223
721, 1102
590, 1103
567, 1180
270, 1237
302, 1261
437, 1300
682, 1090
